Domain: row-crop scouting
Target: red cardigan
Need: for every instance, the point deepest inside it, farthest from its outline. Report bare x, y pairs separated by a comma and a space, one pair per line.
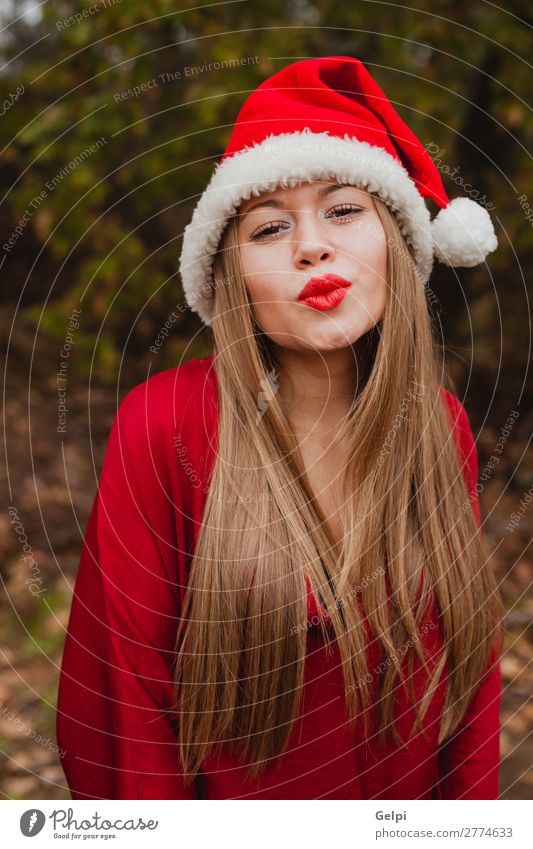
115, 681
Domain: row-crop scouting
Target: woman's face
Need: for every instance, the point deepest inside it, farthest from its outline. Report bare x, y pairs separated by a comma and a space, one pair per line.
291, 235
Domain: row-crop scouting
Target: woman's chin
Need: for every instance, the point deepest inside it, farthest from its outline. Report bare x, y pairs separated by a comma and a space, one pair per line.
325, 335
334, 336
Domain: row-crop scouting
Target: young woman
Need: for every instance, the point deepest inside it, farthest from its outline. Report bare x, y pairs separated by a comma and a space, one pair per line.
283, 591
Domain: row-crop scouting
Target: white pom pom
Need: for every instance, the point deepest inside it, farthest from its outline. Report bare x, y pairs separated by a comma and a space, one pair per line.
463, 233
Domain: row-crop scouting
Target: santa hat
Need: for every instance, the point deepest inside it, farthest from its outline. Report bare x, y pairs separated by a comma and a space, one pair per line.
323, 119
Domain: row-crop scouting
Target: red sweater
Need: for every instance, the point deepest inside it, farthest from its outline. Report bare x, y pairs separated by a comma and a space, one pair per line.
115, 682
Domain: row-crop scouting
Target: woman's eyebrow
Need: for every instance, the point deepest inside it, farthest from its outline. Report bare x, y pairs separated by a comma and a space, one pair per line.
276, 204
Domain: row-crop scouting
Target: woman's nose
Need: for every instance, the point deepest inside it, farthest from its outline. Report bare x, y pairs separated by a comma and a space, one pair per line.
311, 245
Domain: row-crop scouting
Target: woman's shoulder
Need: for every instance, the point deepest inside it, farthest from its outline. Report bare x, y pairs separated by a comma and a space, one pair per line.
166, 398
452, 401
465, 443
458, 417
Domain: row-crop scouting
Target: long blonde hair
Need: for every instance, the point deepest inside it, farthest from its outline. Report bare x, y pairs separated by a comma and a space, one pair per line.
241, 646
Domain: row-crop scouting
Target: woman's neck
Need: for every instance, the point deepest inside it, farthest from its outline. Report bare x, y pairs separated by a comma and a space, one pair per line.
317, 389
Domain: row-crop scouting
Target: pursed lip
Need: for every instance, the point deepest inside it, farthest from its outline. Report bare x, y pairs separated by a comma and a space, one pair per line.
322, 285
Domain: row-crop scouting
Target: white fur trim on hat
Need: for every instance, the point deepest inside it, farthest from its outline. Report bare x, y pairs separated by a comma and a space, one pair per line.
463, 233
285, 160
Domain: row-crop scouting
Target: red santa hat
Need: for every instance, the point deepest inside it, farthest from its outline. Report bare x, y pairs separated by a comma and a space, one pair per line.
322, 119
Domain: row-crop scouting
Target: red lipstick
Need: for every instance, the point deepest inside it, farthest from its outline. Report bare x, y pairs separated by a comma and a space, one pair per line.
324, 293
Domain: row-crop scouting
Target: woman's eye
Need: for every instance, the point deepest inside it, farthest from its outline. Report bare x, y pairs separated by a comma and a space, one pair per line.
267, 230
344, 210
